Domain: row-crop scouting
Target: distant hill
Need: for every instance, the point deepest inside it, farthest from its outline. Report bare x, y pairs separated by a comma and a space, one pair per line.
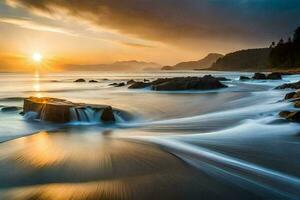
244, 60
204, 63
131, 65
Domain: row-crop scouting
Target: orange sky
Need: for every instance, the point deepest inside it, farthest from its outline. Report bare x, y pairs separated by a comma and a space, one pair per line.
92, 32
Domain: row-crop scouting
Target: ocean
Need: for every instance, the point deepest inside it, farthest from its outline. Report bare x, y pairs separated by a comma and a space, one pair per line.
228, 143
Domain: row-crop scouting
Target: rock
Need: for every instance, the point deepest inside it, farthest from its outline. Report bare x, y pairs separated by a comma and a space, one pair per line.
146, 80
222, 78
274, 76
207, 82
49, 109
188, 83
108, 115
259, 76
297, 104
218, 78
60, 110
130, 82
81, 80
117, 84
244, 78
291, 116
120, 84
10, 109
295, 85
139, 85
290, 95
284, 114
93, 81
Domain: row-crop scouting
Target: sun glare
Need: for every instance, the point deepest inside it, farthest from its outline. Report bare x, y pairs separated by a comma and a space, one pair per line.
37, 57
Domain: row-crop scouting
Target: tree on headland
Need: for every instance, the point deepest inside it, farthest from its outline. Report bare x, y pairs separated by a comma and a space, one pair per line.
296, 37
286, 54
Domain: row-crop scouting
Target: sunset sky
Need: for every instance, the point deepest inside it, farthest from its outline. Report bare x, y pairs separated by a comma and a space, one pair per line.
162, 31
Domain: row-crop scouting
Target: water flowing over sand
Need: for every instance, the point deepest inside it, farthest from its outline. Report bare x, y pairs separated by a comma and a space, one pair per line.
217, 144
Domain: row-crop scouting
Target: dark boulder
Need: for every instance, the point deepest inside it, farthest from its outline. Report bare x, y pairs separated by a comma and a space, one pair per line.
10, 109
274, 76
244, 78
108, 115
284, 114
291, 116
297, 104
218, 78
187, 83
259, 76
120, 84
93, 81
139, 85
130, 82
81, 80
295, 85
290, 95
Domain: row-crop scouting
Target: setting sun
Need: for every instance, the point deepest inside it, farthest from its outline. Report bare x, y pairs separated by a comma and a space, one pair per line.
37, 57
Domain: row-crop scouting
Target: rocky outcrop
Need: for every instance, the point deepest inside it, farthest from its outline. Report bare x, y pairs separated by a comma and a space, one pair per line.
293, 116
274, 76
271, 76
10, 109
118, 84
207, 82
80, 80
139, 85
93, 81
107, 115
292, 95
189, 83
130, 82
295, 85
244, 78
60, 110
259, 76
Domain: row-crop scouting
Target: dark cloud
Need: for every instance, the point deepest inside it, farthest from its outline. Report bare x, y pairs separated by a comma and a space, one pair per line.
247, 21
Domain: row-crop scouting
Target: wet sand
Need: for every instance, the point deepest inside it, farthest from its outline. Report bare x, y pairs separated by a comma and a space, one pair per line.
64, 165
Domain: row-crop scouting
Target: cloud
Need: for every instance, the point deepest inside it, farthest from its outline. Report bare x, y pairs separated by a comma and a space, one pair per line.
177, 20
28, 24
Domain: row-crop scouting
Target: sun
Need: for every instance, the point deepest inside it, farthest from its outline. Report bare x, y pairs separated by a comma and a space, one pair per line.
37, 57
